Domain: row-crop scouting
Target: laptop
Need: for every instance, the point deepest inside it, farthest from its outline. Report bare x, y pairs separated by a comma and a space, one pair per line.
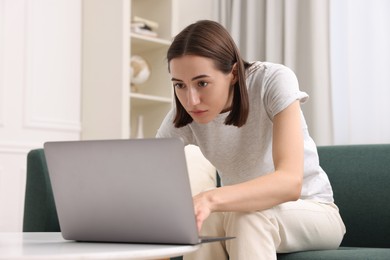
133, 191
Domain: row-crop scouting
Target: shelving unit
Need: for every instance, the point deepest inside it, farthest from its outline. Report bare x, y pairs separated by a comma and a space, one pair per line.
146, 43
154, 98
110, 110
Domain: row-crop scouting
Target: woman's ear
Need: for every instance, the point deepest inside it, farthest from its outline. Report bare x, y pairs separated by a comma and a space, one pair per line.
234, 74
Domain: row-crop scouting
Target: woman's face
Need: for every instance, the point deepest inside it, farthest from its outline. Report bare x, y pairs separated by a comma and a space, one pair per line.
202, 90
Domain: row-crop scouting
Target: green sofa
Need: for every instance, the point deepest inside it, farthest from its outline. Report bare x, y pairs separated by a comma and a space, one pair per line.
360, 177
359, 174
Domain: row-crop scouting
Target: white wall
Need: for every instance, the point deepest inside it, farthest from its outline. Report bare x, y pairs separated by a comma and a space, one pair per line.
40, 75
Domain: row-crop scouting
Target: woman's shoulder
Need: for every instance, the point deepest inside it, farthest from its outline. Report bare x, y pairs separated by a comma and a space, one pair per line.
264, 67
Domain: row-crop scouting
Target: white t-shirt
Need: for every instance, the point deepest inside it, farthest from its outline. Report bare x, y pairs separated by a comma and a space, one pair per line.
242, 154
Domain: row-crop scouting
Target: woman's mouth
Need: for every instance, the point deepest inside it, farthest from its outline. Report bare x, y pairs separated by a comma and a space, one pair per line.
198, 112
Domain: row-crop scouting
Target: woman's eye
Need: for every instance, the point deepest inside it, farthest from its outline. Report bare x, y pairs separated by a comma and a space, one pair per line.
202, 84
178, 85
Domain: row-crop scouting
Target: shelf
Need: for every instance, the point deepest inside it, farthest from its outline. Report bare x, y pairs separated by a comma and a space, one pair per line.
141, 43
138, 99
116, 47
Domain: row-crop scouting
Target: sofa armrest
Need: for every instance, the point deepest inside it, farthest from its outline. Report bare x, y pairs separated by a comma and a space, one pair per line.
40, 214
360, 178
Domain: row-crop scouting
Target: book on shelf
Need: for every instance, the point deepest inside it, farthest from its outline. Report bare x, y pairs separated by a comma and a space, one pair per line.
144, 26
143, 31
149, 23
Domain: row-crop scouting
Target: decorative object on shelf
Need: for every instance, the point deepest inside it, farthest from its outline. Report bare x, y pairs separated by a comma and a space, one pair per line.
140, 127
139, 72
144, 26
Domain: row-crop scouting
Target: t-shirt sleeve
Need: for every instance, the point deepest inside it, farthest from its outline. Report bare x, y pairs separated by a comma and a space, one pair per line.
168, 130
281, 89
166, 127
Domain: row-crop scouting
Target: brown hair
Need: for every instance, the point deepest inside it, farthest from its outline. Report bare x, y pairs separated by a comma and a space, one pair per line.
211, 40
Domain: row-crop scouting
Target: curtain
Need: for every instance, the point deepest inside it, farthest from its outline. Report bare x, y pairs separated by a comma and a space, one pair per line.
360, 38
294, 33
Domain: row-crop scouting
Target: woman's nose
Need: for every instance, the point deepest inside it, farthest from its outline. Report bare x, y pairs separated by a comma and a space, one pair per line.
193, 98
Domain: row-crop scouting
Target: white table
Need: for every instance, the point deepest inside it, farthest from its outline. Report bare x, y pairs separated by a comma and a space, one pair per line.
52, 246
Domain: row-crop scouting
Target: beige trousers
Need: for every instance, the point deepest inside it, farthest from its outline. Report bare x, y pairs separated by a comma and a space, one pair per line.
289, 227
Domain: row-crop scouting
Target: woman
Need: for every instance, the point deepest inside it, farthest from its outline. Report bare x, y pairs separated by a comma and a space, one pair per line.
246, 120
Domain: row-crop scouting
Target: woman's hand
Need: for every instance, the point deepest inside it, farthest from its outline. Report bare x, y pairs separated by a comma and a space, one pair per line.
202, 208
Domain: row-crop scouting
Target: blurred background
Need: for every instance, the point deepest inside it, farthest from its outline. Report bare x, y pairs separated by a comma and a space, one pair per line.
96, 69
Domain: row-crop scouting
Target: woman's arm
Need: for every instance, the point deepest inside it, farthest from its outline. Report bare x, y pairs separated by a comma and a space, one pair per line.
282, 185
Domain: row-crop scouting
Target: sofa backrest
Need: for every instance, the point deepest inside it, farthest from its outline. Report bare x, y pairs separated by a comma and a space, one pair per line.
40, 214
360, 178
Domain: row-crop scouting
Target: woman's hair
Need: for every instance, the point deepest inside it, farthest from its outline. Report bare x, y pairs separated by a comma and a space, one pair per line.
211, 40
